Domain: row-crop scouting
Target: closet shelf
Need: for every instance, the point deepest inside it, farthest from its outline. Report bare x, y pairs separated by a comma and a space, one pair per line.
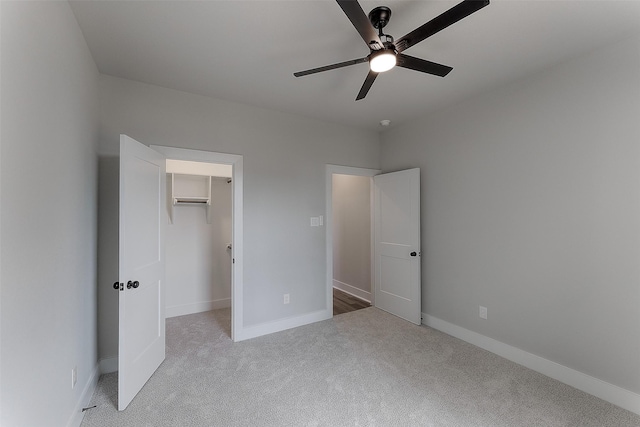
202, 196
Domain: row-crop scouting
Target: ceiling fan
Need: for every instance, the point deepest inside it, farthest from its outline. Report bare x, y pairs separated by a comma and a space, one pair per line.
384, 52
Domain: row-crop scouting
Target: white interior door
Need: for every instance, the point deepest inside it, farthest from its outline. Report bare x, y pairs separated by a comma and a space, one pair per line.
397, 243
141, 267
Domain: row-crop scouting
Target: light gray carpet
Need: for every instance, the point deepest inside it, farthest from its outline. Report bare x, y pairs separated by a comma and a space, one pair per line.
365, 368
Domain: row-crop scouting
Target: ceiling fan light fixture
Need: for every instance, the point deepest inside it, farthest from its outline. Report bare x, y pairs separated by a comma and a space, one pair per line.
382, 60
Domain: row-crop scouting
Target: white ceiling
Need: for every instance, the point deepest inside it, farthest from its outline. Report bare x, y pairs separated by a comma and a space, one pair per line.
246, 51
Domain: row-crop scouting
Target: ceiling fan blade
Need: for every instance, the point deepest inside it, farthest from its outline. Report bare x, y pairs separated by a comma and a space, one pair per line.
371, 77
359, 19
331, 67
417, 64
451, 16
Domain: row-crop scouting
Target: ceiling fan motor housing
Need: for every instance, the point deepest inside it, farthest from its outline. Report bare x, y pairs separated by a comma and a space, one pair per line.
387, 40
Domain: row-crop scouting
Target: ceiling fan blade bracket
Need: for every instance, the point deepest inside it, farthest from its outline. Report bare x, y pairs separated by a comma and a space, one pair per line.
401, 45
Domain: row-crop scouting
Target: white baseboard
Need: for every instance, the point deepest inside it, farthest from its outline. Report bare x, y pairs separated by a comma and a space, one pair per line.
281, 325
197, 307
611, 393
108, 365
87, 393
352, 290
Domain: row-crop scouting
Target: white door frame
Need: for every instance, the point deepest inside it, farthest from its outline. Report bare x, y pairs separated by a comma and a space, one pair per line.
342, 170
235, 161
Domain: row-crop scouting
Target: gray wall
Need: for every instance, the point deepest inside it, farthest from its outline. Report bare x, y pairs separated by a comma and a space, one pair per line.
352, 234
530, 207
48, 215
284, 158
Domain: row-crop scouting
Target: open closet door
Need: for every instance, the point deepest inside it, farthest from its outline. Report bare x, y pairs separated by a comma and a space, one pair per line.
141, 267
397, 243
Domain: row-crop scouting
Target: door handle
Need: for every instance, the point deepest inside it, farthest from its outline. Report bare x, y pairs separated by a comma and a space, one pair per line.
133, 285
117, 286
413, 254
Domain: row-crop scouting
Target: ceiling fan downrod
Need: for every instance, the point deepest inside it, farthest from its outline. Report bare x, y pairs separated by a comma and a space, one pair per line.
386, 58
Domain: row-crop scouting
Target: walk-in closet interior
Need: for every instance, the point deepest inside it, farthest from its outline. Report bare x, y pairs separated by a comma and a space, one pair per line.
198, 237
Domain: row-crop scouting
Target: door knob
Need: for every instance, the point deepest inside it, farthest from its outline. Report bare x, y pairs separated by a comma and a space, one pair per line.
116, 286
413, 254
133, 285
136, 284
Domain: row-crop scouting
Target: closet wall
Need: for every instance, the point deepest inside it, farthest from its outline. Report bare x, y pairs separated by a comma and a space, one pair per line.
198, 263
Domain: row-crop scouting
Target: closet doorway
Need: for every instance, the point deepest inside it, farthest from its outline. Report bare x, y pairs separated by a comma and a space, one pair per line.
204, 234
198, 239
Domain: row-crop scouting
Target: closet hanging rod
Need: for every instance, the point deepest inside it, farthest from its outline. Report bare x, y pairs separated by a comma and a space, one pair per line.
192, 200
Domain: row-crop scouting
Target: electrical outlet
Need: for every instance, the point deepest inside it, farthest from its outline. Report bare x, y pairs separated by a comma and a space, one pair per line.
74, 376
483, 312
286, 298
